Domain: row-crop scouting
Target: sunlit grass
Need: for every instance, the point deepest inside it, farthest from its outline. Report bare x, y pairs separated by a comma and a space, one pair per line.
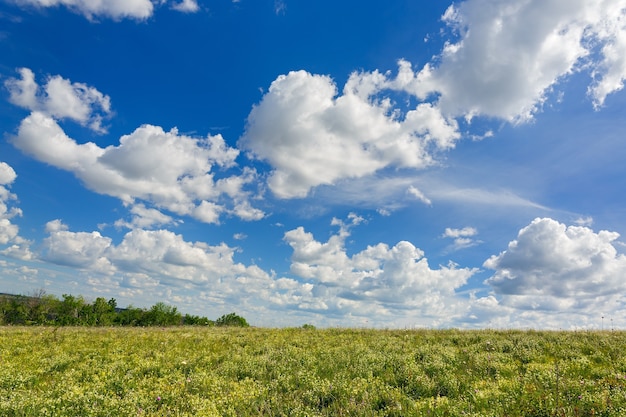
305, 372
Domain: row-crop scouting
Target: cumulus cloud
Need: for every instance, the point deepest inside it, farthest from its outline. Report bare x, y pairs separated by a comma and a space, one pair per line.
8, 230
507, 58
7, 174
61, 99
165, 169
313, 136
554, 267
510, 55
379, 279
380, 282
157, 253
162, 262
503, 60
117, 9
16, 246
82, 250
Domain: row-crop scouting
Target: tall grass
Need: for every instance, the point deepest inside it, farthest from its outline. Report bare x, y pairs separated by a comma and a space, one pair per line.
307, 372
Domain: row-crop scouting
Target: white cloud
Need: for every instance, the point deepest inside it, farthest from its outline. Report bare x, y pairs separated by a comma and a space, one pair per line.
208, 212
8, 231
187, 6
479, 196
456, 233
584, 221
82, 250
379, 279
504, 61
415, 192
510, 55
56, 225
312, 136
462, 237
553, 267
145, 218
115, 9
60, 99
166, 169
379, 284
7, 174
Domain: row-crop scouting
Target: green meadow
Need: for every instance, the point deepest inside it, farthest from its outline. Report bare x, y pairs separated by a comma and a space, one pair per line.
228, 371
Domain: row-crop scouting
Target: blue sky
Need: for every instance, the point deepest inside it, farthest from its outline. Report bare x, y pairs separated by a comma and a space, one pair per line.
410, 164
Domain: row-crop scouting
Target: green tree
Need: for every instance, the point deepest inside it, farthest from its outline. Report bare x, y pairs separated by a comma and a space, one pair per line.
162, 314
191, 320
103, 312
231, 319
71, 310
43, 309
130, 316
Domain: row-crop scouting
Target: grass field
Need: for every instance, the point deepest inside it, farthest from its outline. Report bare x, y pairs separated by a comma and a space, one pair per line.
47, 371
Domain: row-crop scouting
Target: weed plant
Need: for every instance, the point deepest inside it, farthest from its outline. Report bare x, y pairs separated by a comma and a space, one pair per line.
215, 371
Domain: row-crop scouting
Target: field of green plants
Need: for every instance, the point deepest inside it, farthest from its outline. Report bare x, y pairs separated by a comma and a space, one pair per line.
220, 371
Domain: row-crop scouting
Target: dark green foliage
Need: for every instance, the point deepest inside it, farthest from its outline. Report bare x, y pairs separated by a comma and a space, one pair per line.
231, 319
162, 314
43, 309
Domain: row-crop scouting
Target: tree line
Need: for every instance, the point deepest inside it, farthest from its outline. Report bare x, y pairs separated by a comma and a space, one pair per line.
48, 310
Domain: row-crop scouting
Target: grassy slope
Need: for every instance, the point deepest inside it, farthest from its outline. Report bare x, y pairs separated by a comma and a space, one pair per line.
299, 372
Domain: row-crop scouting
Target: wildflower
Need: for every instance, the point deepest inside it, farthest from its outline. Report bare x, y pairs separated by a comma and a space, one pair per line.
158, 398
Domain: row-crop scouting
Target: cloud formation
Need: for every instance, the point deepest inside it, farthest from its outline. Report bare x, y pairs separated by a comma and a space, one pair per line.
556, 268
61, 99
503, 60
379, 280
311, 135
135, 9
8, 231
463, 238
510, 55
168, 170
114, 9
186, 6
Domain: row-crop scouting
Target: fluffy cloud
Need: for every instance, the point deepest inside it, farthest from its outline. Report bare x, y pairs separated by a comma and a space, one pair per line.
505, 60
380, 279
160, 254
60, 99
163, 263
145, 218
313, 136
553, 267
82, 250
379, 284
8, 231
171, 171
510, 54
18, 247
117, 9
463, 238
114, 9
7, 174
